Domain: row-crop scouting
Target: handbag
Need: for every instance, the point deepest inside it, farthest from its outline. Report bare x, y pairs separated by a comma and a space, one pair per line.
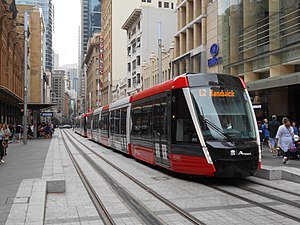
292, 148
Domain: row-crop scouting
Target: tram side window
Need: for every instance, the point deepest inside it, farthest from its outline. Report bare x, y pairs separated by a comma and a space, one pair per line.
160, 126
182, 123
136, 122
104, 124
117, 121
123, 120
146, 122
111, 123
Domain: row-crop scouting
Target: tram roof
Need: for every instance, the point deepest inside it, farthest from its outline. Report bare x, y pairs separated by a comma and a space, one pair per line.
178, 82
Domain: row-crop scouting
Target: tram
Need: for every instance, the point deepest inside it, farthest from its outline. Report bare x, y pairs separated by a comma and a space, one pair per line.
198, 124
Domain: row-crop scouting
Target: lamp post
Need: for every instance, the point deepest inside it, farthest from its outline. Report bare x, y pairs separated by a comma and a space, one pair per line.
159, 54
25, 78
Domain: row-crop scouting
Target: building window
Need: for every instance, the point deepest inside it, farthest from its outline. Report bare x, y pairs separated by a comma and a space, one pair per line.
138, 76
133, 64
143, 0
149, 1
129, 51
139, 25
134, 82
138, 60
166, 4
129, 67
172, 5
129, 83
159, 4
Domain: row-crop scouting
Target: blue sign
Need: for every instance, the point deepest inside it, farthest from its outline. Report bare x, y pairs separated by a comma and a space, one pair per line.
47, 114
214, 51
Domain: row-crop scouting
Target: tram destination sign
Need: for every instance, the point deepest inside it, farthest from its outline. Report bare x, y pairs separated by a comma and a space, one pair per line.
47, 114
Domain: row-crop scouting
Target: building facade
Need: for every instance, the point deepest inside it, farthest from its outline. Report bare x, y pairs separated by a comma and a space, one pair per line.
114, 13
36, 77
150, 68
11, 66
142, 41
261, 46
48, 14
92, 71
58, 88
91, 11
190, 38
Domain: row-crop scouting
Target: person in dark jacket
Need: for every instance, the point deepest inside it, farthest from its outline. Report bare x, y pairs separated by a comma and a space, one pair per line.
273, 128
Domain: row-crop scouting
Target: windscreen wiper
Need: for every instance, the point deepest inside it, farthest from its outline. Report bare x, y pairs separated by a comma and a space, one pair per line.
218, 129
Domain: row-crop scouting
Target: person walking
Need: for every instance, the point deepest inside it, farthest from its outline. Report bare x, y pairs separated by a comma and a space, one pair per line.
1, 146
296, 131
284, 138
273, 128
266, 134
6, 132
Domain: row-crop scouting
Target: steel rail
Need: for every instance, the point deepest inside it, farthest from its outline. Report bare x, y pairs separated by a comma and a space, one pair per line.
177, 209
101, 209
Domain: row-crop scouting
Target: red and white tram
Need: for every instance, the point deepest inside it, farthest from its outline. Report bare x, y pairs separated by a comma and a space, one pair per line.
201, 124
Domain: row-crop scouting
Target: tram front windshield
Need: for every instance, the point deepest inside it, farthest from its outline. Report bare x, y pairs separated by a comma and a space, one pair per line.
224, 113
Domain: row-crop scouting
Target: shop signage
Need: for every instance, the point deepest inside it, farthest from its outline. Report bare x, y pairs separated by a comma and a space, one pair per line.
47, 114
101, 50
256, 106
214, 51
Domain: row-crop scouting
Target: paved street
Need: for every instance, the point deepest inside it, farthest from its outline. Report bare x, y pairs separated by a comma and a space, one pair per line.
28, 162
22, 162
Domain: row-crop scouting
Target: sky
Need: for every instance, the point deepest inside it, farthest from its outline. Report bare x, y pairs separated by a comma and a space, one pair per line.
66, 23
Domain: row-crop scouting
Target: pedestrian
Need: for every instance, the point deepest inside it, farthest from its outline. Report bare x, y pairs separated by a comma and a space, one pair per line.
273, 128
18, 133
266, 134
296, 131
284, 138
261, 133
1, 146
5, 140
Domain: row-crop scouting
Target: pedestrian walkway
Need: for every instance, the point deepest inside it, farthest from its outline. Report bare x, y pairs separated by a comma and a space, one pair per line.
40, 176
273, 168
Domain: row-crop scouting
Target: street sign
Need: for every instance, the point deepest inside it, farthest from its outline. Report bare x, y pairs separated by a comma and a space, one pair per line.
47, 114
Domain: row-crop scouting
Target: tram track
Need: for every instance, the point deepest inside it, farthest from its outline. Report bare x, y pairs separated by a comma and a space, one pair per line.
260, 194
147, 216
272, 187
102, 211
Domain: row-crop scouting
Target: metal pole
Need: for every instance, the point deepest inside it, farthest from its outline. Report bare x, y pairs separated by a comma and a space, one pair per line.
159, 54
108, 90
25, 78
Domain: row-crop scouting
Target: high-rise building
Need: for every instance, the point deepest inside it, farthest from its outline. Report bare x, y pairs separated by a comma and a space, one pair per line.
90, 23
36, 76
261, 46
190, 38
114, 13
58, 88
142, 41
47, 8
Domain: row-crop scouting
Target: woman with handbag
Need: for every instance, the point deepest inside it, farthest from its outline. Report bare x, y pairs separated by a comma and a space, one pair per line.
1, 146
284, 138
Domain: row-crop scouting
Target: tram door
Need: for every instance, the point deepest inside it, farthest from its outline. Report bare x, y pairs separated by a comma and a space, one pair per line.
161, 131
123, 129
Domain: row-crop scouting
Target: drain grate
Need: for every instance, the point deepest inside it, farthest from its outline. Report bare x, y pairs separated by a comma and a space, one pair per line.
160, 178
17, 200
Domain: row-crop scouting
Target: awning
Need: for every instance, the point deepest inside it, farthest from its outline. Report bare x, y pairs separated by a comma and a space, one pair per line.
39, 106
274, 82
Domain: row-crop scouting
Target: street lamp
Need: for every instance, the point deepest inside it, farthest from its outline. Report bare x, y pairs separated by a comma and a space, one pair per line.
159, 54
25, 77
